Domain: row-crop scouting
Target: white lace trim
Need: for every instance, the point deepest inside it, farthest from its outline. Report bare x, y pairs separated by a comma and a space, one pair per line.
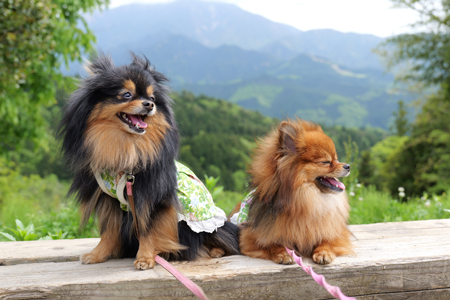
209, 225
234, 218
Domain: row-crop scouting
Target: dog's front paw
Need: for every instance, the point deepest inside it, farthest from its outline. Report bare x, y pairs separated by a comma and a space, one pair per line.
92, 258
323, 257
216, 252
144, 263
283, 258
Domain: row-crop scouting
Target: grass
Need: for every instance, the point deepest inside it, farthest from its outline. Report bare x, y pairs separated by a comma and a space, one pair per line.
41, 201
227, 200
371, 206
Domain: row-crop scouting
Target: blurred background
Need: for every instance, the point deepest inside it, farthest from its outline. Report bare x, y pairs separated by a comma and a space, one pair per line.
374, 74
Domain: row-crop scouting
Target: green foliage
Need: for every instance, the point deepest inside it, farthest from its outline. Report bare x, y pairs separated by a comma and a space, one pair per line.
217, 136
34, 37
41, 200
23, 195
45, 161
424, 56
56, 236
373, 206
384, 163
66, 218
265, 94
351, 157
21, 233
423, 164
352, 112
211, 185
364, 138
228, 200
30, 233
366, 168
401, 124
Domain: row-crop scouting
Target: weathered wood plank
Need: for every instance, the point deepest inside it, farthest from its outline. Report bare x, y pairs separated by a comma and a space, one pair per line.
399, 229
387, 265
12, 253
233, 277
439, 294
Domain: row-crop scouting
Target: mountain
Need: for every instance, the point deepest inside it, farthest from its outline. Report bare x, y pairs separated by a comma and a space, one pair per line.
313, 90
217, 24
185, 61
347, 49
223, 51
211, 24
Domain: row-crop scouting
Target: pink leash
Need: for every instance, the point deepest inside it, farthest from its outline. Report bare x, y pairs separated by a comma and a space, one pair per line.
333, 290
172, 270
183, 279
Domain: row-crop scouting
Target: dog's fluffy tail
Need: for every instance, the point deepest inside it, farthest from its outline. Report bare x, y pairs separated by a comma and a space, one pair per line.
199, 244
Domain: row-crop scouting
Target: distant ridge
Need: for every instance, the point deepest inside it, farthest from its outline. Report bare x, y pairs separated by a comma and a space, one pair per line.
222, 51
209, 23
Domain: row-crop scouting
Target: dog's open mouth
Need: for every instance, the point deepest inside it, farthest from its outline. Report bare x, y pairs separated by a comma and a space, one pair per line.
331, 183
136, 122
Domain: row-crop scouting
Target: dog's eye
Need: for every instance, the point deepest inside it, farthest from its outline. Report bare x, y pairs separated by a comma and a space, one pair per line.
152, 98
127, 95
326, 162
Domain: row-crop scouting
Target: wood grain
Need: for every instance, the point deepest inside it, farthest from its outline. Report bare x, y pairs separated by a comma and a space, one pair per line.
408, 260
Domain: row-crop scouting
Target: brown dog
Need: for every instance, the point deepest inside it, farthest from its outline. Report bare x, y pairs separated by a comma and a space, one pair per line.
296, 201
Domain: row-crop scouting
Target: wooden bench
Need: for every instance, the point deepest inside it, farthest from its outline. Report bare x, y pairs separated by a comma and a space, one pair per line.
406, 260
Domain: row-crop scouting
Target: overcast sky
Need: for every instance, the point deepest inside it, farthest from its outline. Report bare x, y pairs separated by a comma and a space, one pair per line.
375, 17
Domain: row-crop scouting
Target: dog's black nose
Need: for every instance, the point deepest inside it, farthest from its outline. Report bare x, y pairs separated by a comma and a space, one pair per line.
149, 105
347, 167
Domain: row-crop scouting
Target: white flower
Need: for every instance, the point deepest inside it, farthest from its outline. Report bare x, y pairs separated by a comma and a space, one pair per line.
352, 194
360, 198
447, 210
401, 194
427, 203
401, 189
423, 198
358, 185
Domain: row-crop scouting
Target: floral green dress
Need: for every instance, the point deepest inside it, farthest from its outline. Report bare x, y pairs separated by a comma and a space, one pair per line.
242, 214
199, 210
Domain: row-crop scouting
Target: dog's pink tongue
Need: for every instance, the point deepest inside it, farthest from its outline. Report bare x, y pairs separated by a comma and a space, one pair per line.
137, 119
336, 183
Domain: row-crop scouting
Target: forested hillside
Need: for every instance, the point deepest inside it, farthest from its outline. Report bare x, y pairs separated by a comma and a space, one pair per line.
218, 137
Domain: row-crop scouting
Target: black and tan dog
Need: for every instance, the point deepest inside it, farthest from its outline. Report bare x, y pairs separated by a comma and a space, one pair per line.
120, 120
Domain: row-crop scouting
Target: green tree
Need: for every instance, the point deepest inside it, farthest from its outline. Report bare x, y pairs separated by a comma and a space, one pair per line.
366, 168
422, 163
35, 37
387, 165
424, 56
401, 123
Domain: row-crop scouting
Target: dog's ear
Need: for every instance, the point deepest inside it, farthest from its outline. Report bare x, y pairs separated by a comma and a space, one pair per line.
146, 65
140, 62
287, 135
99, 65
